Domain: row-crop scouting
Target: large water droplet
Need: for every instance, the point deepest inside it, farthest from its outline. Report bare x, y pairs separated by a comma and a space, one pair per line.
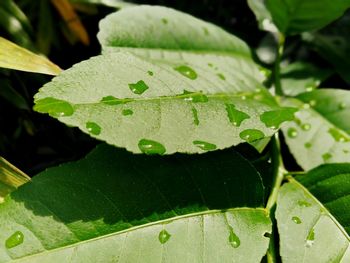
205, 146
303, 203
138, 87
251, 135
296, 220
338, 135
110, 100
342, 105
54, 107
306, 126
326, 156
308, 145
235, 116
151, 147
194, 96
150, 73
195, 116
127, 112
310, 239
274, 118
292, 132
234, 239
14, 240
187, 72
221, 76
163, 236
93, 128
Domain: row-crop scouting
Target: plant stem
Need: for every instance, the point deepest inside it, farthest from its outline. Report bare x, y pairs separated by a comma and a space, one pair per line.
278, 173
277, 66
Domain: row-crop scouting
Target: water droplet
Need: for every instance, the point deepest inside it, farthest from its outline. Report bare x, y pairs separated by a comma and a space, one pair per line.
54, 107
150, 73
151, 147
310, 88
205, 146
292, 133
210, 65
234, 239
306, 106
308, 145
221, 76
296, 220
235, 116
187, 72
326, 157
306, 126
243, 97
310, 239
138, 87
312, 103
110, 100
345, 151
14, 240
338, 135
206, 31
164, 21
127, 112
274, 118
93, 128
342, 105
251, 135
303, 203
194, 96
265, 72
195, 116
163, 236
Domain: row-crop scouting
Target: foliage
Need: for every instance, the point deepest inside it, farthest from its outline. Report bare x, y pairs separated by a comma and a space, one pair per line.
199, 133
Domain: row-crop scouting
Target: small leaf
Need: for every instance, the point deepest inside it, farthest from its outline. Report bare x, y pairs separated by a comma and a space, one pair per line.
307, 231
15, 57
116, 205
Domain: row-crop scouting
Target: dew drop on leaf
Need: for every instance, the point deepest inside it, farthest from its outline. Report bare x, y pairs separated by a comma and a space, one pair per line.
54, 107
296, 220
205, 146
194, 96
308, 145
337, 135
186, 71
234, 239
342, 105
195, 116
303, 203
310, 239
164, 21
163, 236
251, 135
14, 240
221, 76
274, 118
306, 126
206, 31
326, 157
138, 87
292, 133
151, 147
93, 128
127, 112
312, 103
235, 116
150, 73
111, 100
210, 65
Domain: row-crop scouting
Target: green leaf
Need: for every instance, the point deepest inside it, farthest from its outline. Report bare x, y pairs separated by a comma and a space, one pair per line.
329, 183
294, 16
319, 134
132, 208
110, 3
178, 87
300, 77
307, 231
16, 57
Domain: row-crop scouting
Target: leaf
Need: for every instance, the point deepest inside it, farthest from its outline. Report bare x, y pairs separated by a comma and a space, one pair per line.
319, 133
329, 183
10, 178
11, 95
300, 77
308, 232
294, 16
263, 15
110, 3
172, 92
137, 208
16, 57
331, 43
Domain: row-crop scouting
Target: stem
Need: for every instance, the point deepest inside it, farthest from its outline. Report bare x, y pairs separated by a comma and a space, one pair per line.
277, 67
278, 174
